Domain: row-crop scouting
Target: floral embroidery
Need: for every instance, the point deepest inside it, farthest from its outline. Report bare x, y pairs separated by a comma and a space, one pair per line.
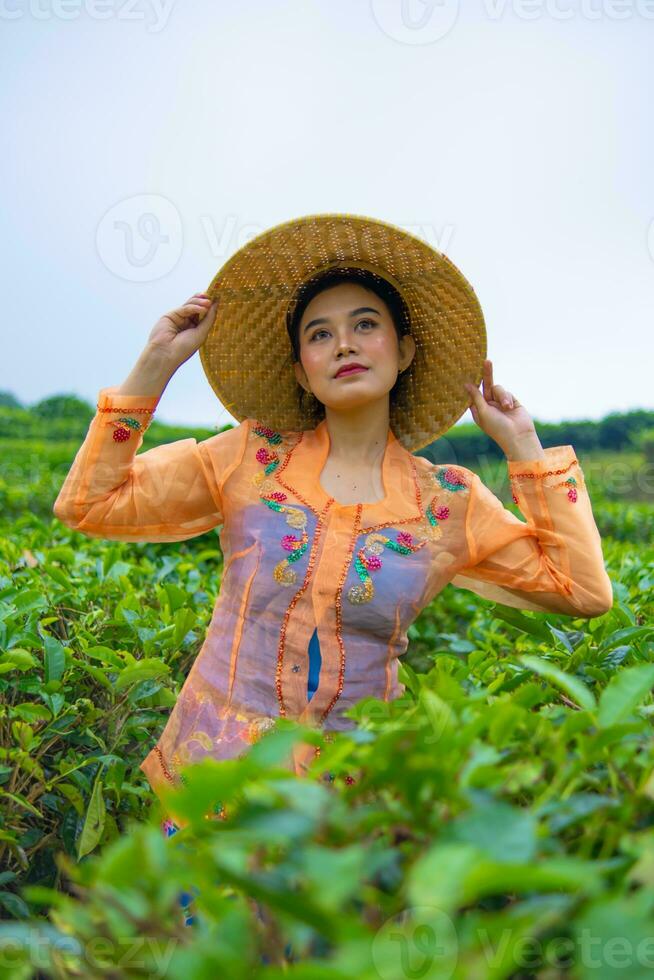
433, 530
283, 572
571, 483
449, 479
122, 427
368, 560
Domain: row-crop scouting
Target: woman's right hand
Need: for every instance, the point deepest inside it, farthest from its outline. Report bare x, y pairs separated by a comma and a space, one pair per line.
182, 331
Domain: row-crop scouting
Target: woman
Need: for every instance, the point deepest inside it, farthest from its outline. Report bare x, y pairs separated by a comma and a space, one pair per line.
342, 344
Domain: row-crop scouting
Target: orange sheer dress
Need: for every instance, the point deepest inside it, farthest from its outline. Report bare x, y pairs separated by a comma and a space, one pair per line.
296, 561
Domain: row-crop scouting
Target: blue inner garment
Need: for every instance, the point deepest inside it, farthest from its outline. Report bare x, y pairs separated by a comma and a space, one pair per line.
315, 661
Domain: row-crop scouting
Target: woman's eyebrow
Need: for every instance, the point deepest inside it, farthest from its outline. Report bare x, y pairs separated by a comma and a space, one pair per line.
359, 309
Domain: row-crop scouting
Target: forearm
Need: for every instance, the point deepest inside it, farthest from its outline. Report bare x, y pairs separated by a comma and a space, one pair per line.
525, 447
554, 562
149, 376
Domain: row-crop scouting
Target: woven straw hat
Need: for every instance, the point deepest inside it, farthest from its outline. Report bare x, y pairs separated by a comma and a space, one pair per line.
247, 355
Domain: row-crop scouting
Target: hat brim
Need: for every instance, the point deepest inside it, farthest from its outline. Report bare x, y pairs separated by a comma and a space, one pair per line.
247, 355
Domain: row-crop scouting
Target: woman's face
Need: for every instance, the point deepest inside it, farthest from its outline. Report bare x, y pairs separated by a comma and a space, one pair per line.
343, 324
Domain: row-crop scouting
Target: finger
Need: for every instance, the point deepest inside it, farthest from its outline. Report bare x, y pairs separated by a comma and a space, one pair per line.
206, 318
488, 379
477, 399
502, 396
193, 310
190, 311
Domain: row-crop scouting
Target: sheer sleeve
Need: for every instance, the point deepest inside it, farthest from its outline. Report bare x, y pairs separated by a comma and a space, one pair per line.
168, 493
552, 562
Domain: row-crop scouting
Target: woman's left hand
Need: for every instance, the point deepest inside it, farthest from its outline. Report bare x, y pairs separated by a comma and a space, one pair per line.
500, 415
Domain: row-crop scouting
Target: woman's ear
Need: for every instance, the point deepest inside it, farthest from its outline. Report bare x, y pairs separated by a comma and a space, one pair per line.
407, 351
300, 375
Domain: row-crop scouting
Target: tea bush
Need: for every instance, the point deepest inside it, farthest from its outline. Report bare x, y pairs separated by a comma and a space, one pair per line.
495, 821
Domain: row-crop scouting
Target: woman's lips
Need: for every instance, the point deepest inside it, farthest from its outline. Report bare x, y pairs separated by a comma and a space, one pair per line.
352, 370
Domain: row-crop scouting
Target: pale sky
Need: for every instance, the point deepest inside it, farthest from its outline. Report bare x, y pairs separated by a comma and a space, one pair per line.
514, 135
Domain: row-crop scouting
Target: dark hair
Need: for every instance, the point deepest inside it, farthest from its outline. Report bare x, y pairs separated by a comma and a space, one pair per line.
333, 277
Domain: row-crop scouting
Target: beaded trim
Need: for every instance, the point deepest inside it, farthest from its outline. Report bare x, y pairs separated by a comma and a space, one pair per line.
136, 411
282, 633
570, 483
283, 572
339, 619
166, 771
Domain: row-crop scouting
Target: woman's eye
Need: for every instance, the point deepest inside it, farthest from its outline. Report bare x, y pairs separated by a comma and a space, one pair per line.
314, 336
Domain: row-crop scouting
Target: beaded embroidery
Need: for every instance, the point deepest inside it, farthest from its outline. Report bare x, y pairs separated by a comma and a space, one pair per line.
283, 572
122, 427
449, 479
433, 531
570, 482
368, 560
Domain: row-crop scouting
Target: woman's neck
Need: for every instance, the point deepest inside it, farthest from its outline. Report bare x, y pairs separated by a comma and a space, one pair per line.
358, 438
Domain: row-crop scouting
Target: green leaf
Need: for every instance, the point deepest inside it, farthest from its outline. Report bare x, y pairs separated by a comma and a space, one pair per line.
408, 677
143, 670
624, 692
62, 553
185, 620
28, 600
57, 575
106, 656
31, 711
630, 634
535, 627
93, 822
55, 659
16, 659
503, 832
14, 904
569, 638
55, 702
572, 686
21, 801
